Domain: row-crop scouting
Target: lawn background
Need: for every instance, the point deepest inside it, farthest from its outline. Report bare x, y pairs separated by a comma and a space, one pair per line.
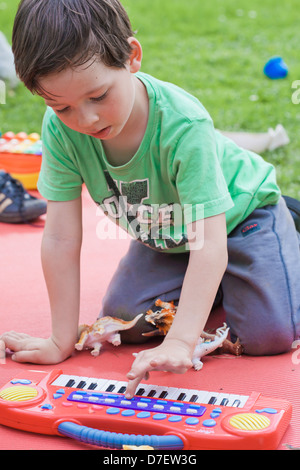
216, 50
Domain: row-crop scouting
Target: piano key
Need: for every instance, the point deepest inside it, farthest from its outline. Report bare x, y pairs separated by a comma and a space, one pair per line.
121, 387
110, 388
92, 386
224, 401
81, 384
70, 383
181, 396
212, 400
236, 403
243, 399
194, 398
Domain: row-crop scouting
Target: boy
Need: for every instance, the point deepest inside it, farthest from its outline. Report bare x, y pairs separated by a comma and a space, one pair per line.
144, 149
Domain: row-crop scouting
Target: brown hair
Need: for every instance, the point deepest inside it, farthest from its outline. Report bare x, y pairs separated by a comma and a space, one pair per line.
50, 35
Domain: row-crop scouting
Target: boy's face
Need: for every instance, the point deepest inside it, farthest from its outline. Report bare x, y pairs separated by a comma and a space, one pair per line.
92, 99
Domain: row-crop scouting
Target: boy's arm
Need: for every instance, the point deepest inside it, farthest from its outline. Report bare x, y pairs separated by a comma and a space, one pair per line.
61, 246
206, 267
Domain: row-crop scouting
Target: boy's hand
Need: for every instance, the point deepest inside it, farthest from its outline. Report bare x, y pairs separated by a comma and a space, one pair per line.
27, 348
171, 356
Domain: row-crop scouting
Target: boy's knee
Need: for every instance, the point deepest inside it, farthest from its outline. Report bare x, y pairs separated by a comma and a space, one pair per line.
268, 342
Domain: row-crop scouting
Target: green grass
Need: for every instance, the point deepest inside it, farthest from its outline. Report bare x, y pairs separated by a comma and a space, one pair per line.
215, 49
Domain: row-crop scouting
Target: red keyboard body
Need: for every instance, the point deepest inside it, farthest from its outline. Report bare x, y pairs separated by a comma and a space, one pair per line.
39, 402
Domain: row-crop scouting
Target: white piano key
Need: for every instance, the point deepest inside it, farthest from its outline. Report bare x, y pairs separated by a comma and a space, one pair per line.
62, 380
244, 399
203, 395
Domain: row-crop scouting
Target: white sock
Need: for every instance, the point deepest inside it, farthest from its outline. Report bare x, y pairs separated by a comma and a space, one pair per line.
279, 137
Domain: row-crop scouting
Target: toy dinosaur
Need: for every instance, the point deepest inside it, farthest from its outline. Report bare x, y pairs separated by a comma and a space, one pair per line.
104, 329
107, 329
206, 346
163, 320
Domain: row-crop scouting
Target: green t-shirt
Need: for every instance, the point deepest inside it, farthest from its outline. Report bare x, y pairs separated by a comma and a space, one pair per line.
183, 171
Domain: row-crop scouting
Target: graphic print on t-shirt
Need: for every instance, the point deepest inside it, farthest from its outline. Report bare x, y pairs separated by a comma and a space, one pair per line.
152, 224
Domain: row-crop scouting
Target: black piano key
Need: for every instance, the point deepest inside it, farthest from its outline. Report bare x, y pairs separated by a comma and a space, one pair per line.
140, 391
212, 401
110, 388
236, 403
193, 398
92, 386
70, 383
224, 402
151, 393
81, 384
122, 389
163, 394
181, 397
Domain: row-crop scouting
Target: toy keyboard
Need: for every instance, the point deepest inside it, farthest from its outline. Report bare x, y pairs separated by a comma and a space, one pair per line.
95, 411
21, 156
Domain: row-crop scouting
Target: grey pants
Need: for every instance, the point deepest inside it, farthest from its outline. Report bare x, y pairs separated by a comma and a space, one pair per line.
261, 286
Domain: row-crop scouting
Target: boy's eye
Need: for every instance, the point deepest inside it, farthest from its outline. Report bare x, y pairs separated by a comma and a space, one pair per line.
61, 111
100, 98
97, 99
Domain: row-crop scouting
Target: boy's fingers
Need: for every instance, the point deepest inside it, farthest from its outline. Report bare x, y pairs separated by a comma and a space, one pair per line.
131, 387
13, 342
134, 381
27, 356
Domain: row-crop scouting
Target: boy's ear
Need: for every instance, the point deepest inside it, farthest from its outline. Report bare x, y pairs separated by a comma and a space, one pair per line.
135, 60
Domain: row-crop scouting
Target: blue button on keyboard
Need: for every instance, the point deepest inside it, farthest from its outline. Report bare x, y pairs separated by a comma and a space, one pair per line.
136, 403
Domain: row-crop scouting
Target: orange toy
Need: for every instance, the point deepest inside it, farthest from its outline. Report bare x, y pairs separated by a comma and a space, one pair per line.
21, 156
95, 411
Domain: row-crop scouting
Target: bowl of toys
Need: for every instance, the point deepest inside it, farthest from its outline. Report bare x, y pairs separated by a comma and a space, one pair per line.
21, 156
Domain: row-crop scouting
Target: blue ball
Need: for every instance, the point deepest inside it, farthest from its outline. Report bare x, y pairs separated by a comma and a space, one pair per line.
276, 68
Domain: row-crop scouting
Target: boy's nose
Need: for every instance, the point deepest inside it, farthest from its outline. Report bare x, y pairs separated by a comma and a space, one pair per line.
87, 120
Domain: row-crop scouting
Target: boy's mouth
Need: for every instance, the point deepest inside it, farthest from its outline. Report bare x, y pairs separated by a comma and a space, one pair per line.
103, 133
